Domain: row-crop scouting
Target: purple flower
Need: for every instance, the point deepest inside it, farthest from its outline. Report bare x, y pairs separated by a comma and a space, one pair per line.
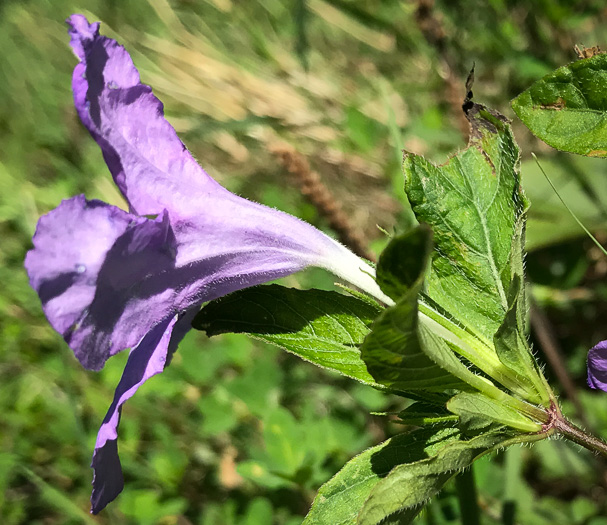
597, 366
110, 280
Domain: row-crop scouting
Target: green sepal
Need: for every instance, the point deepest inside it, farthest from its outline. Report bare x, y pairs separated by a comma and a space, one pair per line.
567, 108
443, 355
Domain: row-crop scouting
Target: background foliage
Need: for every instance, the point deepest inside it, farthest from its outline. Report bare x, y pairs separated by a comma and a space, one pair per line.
240, 433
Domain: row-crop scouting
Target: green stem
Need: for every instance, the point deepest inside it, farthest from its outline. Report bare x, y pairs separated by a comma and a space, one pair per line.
577, 435
467, 497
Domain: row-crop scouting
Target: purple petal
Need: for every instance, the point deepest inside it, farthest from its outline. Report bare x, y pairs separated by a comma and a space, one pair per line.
88, 261
597, 366
214, 244
106, 277
236, 243
148, 161
147, 359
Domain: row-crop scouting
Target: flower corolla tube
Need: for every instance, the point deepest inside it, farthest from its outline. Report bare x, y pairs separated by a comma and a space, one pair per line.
111, 280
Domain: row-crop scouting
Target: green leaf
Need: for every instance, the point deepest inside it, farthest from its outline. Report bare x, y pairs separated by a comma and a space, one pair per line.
517, 294
421, 414
392, 350
409, 485
403, 263
511, 343
323, 327
567, 108
510, 340
475, 408
472, 204
476, 209
339, 500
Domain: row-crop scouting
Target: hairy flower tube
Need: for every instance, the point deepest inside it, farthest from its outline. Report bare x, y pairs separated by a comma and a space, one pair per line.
111, 280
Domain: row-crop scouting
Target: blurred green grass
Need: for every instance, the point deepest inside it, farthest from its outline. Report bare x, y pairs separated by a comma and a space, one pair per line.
348, 84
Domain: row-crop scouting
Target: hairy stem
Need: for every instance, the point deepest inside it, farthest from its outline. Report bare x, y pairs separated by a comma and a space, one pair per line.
577, 435
557, 424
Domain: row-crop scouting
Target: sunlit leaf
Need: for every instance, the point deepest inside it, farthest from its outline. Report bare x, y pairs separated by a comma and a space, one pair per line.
339, 500
567, 108
409, 485
323, 327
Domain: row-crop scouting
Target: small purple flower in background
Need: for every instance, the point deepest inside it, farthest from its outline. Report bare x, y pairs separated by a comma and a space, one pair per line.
110, 280
597, 366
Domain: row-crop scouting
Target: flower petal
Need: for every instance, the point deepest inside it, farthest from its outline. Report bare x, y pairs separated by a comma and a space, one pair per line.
111, 280
148, 161
87, 264
107, 277
597, 366
147, 359
235, 242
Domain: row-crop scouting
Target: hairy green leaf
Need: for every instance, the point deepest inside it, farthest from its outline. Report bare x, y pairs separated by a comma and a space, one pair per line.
475, 408
472, 203
408, 486
567, 108
339, 500
517, 274
510, 340
421, 414
511, 343
323, 327
404, 262
392, 350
